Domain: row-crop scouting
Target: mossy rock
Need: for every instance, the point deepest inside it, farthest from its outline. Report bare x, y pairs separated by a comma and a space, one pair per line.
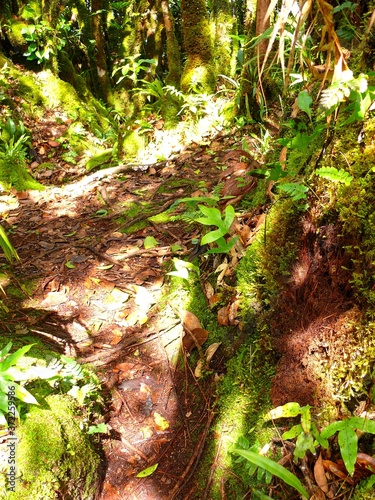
54, 456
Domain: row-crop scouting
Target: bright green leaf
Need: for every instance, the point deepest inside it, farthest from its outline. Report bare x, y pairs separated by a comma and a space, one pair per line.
295, 190
348, 442
334, 175
12, 359
150, 242
293, 432
96, 429
304, 102
306, 418
304, 443
285, 411
274, 468
148, 471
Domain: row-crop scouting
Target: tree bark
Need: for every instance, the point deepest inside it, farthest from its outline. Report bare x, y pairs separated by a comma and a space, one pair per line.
101, 56
173, 50
198, 74
225, 48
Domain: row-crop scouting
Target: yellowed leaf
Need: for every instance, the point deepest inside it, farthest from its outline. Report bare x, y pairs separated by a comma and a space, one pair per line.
160, 422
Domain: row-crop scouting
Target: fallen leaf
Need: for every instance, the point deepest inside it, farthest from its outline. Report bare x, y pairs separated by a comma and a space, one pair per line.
150, 242
211, 349
233, 312
215, 299
209, 290
147, 431
54, 299
148, 471
320, 476
200, 335
189, 320
223, 316
199, 369
143, 298
161, 423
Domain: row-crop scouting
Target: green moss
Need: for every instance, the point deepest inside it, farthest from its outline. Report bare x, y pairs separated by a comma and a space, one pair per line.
365, 490
14, 33
199, 72
225, 48
53, 454
133, 143
14, 174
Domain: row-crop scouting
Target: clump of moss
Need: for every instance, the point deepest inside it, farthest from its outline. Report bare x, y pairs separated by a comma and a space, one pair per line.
13, 172
54, 456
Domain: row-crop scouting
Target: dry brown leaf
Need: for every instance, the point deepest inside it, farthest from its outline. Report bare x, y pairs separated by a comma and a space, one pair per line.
189, 320
200, 337
223, 316
337, 470
318, 495
209, 290
215, 299
233, 312
320, 476
211, 349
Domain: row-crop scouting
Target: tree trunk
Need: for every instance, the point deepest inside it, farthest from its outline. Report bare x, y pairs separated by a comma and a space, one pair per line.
101, 56
173, 50
225, 50
198, 74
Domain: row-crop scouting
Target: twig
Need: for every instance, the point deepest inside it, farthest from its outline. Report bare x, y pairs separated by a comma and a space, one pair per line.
125, 404
213, 468
133, 448
117, 170
194, 459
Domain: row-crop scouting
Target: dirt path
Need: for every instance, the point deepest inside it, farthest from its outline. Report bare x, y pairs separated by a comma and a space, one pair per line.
95, 293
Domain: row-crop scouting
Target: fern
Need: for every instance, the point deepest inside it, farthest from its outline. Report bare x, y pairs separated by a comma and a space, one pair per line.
335, 175
295, 190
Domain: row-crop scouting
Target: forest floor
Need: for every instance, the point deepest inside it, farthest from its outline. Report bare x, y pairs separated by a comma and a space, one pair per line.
93, 292
92, 289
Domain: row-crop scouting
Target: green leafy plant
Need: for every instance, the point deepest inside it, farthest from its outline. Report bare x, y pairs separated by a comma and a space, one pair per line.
307, 434
183, 268
131, 67
348, 438
8, 249
295, 190
12, 372
43, 41
268, 468
304, 102
309, 438
213, 217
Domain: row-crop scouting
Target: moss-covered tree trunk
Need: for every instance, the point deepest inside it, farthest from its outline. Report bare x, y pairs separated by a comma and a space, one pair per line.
199, 71
173, 49
97, 7
225, 48
249, 69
